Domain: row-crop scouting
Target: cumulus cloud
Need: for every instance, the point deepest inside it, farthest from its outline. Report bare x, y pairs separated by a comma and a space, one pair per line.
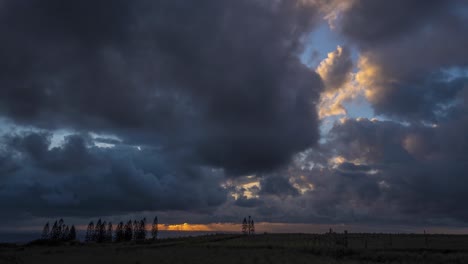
336, 69
336, 73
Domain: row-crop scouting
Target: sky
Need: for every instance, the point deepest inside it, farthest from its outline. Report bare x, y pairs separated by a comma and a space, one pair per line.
304, 114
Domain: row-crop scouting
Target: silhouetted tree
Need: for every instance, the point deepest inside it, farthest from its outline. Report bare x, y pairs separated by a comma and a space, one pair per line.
55, 232
90, 232
140, 231
135, 230
72, 234
45, 232
154, 228
143, 228
102, 233
252, 227
119, 232
97, 230
109, 232
60, 226
244, 226
128, 231
65, 233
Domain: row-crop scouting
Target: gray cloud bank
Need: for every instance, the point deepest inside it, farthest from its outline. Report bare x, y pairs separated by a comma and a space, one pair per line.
219, 80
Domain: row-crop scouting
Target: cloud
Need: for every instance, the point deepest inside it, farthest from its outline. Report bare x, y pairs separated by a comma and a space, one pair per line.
375, 172
332, 10
248, 202
410, 52
408, 167
221, 82
410, 174
205, 107
423, 97
375, 22
277, 185
336, 69
336, 73
81, 180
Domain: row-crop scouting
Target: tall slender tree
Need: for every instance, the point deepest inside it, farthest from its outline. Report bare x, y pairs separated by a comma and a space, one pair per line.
45, 232
97, 230
109, 233
135, 230
244, 227
128, 232
90, 232
252, 227
72, 234
60, 226
55, 232
142, 230
119, 232
154, 228
102, 232
65, 233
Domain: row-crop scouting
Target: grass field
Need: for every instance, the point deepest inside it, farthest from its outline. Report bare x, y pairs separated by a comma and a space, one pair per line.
265, 248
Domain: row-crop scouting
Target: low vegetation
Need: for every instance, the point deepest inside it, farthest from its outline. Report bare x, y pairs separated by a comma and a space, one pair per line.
264, 248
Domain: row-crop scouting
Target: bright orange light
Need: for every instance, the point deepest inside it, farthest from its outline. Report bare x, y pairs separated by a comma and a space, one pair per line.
200, 227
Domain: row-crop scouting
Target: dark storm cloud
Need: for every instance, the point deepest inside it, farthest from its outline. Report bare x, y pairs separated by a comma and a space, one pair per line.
77, 179
372, 22
381, 142
413, 69
246, 202
415, 49
277, 185
194, 93
380, 172
220, 81
73, 156
411, 171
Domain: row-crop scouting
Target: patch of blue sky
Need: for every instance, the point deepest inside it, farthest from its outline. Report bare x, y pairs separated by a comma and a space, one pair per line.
318, 44
322, 41
359, 107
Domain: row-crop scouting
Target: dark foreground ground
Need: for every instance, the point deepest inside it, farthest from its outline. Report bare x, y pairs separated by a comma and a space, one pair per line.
265, 248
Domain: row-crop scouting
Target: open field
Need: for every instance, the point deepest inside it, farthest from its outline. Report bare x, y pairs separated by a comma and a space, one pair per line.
266, 248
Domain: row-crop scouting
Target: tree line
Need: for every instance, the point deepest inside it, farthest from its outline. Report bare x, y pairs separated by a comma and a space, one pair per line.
58, 232
102, 231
